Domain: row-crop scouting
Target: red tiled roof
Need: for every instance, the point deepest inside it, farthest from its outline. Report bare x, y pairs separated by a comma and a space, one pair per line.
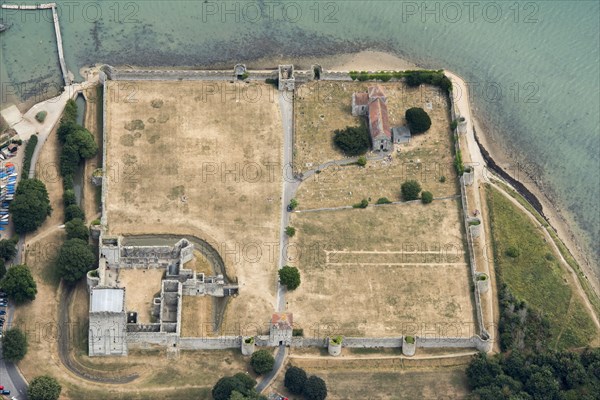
361, 99
282, 320
378, 119
376, 92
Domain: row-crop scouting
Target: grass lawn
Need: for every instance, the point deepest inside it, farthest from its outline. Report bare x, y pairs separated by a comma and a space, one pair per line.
594, 299
381, 383
536, 276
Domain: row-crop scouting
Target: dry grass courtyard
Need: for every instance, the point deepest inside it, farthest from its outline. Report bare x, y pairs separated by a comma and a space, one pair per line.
382, 271
199, 158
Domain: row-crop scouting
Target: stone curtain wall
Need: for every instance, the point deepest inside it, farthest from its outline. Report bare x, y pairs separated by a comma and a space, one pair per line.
183, 75
483, 333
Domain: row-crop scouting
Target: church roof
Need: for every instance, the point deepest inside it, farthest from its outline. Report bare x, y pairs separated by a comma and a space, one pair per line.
378, 119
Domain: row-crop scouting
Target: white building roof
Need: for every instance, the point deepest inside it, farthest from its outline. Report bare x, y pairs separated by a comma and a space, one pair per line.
107, 299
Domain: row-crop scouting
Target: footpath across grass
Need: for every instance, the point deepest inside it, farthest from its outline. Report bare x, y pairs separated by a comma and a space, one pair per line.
525, 262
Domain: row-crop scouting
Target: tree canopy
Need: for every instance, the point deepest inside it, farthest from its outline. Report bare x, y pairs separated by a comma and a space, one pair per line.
295, 379
44, 388
315, 388
70, 112
76, 229
353, 140
73, 212
426, 197
239, 386
418, 120
14, 345
262, 362
77, 142
539, 375
19, 284
410, 190
30, 206
75, 259
8, 248
290, 277
69, 197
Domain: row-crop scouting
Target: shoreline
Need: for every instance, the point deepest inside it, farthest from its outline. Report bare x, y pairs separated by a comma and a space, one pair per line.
491, 154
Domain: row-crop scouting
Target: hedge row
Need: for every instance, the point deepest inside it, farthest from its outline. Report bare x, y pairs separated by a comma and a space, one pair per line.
29, 150
413, 78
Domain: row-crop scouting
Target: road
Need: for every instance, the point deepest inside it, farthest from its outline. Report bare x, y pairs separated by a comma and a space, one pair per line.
290, 185
279, 358
10, 376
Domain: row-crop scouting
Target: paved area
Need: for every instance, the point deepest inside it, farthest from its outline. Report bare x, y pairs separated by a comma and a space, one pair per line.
10, 376
279, 358
290, 184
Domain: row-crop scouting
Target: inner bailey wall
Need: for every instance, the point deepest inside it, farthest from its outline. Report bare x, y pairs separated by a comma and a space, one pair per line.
207, 343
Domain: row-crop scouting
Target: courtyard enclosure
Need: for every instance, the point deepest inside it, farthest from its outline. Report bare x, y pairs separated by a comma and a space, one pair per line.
201, 159
395, 270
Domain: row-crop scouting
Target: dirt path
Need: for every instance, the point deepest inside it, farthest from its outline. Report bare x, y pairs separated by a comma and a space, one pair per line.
439, 356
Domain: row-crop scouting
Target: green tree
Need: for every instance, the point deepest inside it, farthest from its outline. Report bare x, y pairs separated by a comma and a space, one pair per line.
70, 112
293, 204
315, 388
8, 248
75, 259
225, 386
410, 190
483, 371
353, 140
362, 161
262, 362
2, 269
76, 229
383, 200
364, 203
290, 231
30, 206
14, 345
72, 212
295, 379
69, 197
44, 388
290, 277
418, 120
543, 385
84, 142
240, 383
65, 129
69, 159
426, 197
19, 284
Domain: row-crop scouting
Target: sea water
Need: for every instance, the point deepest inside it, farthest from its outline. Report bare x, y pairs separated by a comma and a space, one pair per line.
533, 65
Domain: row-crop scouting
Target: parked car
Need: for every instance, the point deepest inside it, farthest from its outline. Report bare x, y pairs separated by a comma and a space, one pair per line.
2, 312
7, 392
1, 387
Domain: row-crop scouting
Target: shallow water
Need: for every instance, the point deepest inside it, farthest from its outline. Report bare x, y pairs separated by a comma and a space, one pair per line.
534, 65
